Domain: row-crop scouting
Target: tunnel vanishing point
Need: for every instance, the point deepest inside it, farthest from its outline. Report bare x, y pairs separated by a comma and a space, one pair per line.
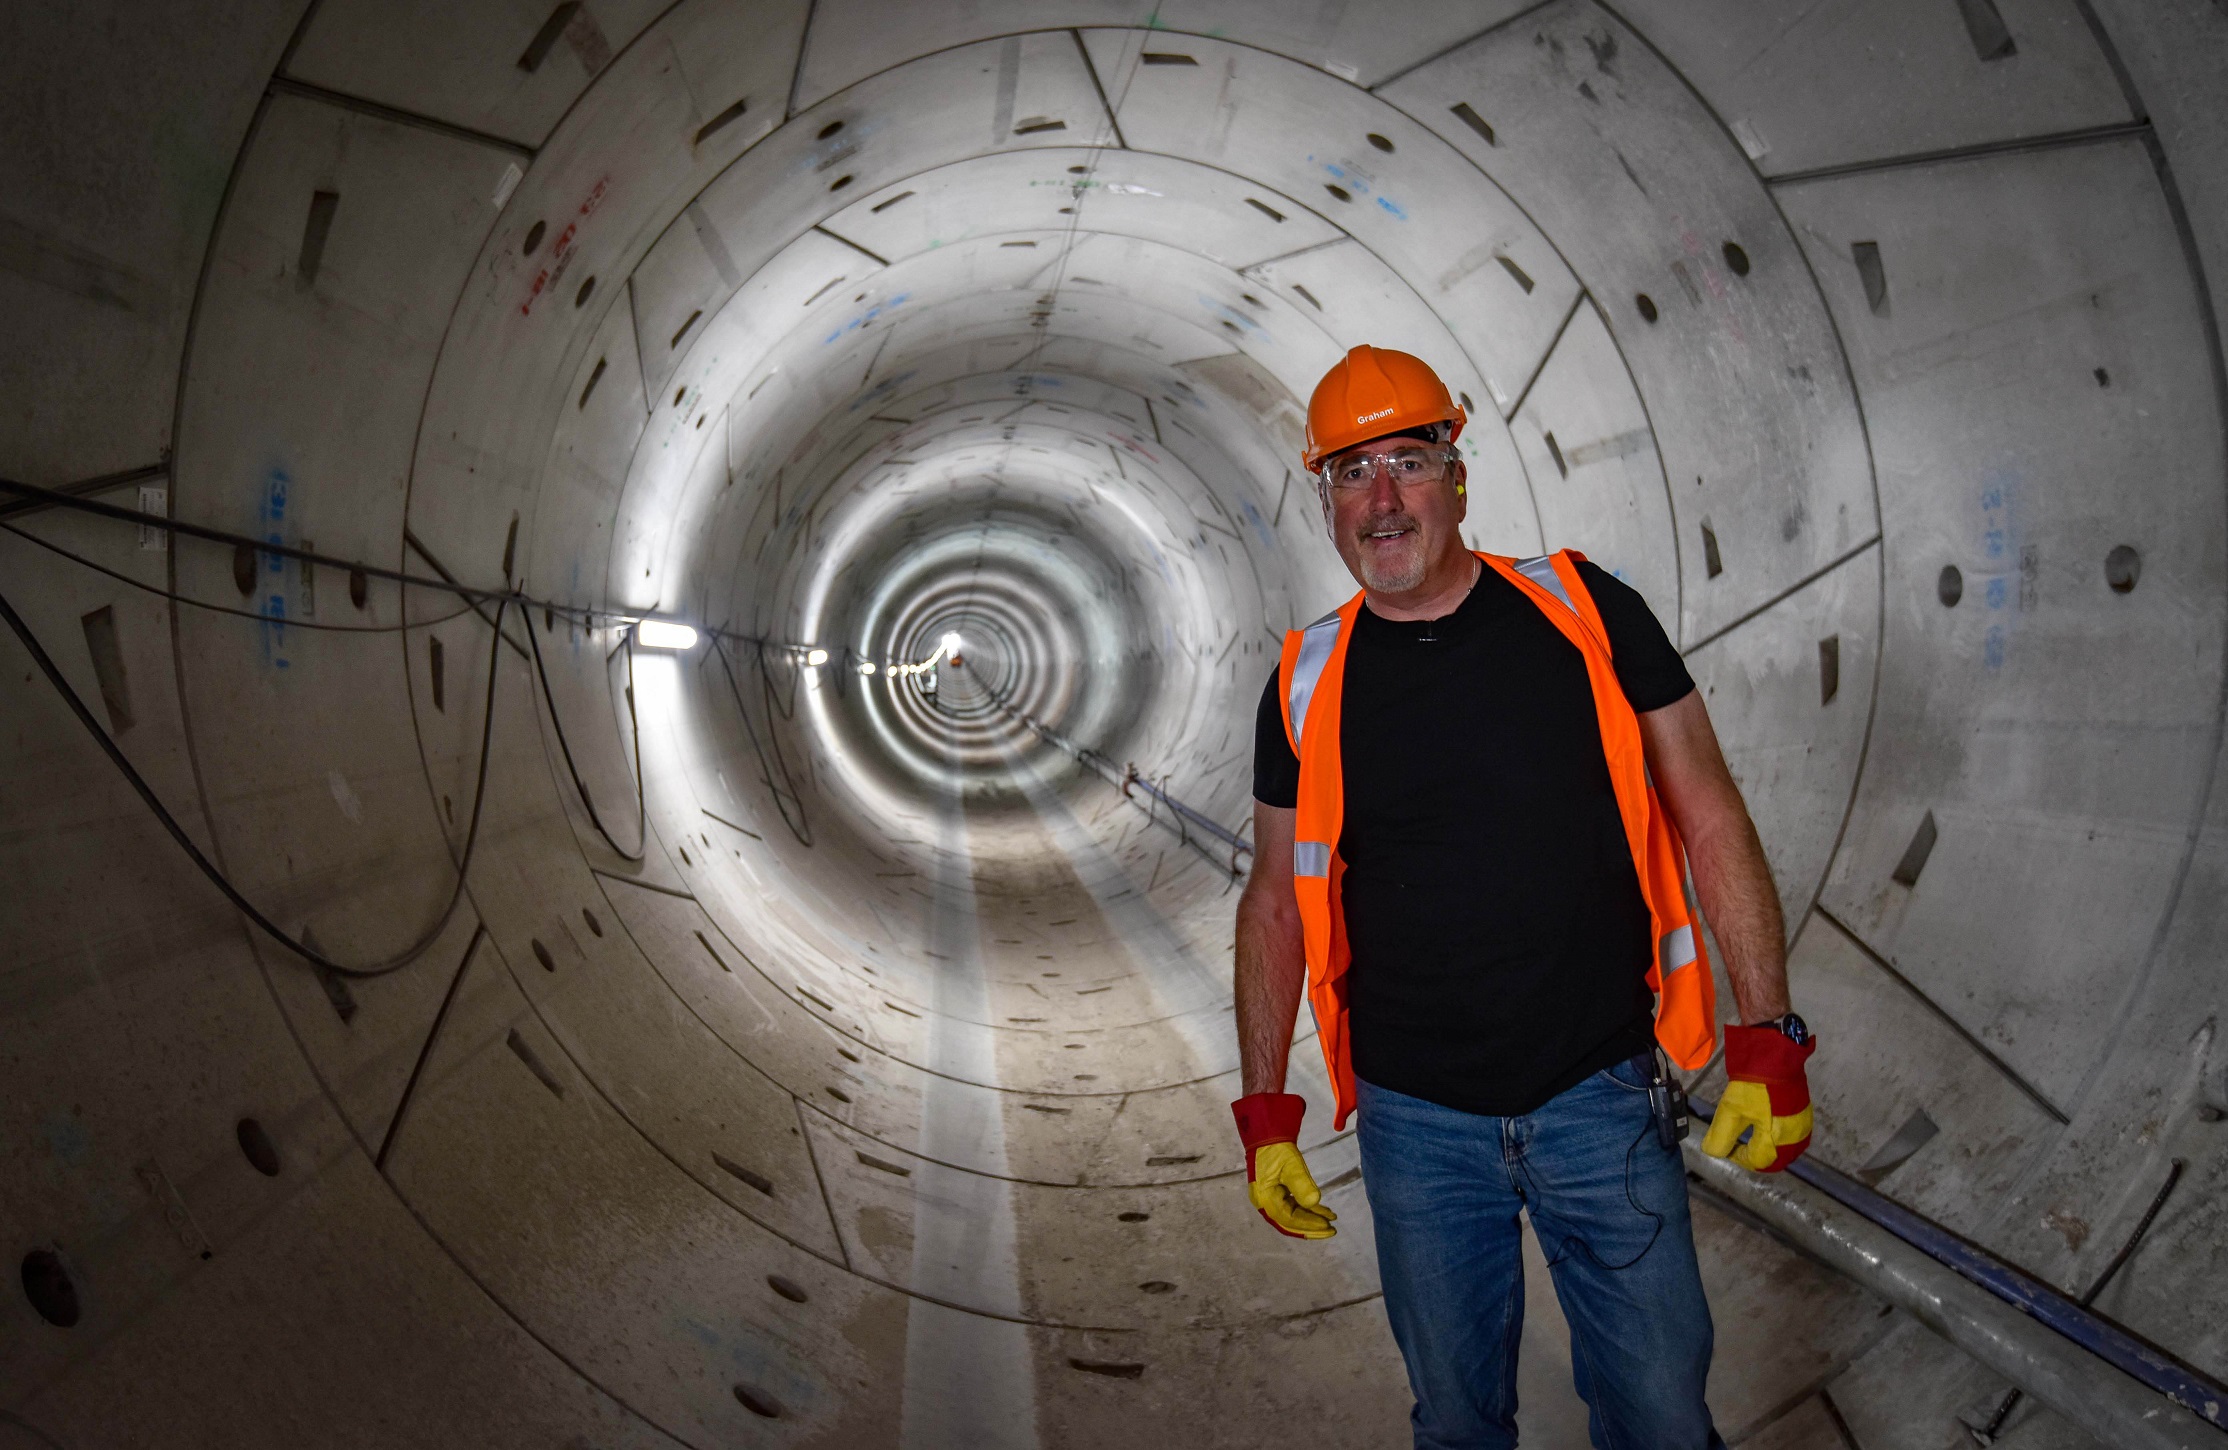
433, 1014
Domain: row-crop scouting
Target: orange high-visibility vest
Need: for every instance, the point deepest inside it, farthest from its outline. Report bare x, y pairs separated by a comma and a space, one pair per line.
1312, 676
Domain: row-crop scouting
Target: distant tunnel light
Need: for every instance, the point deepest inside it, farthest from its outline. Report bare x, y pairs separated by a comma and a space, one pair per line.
866, 667
816, 657
951, 643
664, 634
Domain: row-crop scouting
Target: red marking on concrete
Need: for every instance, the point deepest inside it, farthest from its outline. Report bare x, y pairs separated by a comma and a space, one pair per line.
561, 250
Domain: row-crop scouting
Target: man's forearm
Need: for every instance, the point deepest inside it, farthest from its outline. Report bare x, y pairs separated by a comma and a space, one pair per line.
1735, 884
1270, 972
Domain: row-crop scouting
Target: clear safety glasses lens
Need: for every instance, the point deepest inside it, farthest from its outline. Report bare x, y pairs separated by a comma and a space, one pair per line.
1404, 466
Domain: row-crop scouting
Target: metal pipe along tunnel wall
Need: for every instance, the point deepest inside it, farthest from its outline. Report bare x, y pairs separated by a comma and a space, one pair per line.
817, 1051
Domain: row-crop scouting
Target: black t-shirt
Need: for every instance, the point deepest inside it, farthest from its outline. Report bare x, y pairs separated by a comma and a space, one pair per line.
1500, 941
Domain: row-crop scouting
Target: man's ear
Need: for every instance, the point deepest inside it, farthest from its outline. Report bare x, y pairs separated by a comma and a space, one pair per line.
1461, 490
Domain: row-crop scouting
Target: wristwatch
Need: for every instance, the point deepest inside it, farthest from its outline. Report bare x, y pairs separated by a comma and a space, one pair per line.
1791, 1027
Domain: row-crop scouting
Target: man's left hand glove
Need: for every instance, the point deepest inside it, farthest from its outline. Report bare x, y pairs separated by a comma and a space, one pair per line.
1277, 1179
1765, 1092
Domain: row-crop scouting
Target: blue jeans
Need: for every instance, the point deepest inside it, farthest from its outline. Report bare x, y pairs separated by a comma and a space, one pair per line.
1608, 1204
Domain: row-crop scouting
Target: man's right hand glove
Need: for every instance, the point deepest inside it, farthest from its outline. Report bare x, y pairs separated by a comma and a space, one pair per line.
1276, 1175
1765, 1091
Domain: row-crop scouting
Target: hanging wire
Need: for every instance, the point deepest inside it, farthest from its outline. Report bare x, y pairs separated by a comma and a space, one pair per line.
766, 686
475, 599
176, 598
787, 799
642, 806
209, 869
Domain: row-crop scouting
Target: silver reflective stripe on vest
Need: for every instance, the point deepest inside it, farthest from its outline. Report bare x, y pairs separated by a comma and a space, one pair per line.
1315, 652
1311, 858
1541, 571
1676, 949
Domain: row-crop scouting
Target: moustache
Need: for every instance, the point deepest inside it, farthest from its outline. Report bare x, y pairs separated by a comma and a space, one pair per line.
1400, 520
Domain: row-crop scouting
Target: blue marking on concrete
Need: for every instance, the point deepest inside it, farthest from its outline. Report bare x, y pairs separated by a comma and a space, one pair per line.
278, 487
868, 316
1260, 525
1999, 545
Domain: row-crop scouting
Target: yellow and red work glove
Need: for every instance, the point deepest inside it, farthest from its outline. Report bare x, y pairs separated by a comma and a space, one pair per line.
1277, 1179
1766, 1092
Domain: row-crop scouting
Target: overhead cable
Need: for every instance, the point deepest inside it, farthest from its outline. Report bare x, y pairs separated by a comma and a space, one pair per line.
209, 868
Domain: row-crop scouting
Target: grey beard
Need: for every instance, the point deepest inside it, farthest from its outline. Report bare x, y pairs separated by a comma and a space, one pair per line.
1398, 581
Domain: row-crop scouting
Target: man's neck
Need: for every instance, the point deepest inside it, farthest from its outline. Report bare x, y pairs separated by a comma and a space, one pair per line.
1440, 594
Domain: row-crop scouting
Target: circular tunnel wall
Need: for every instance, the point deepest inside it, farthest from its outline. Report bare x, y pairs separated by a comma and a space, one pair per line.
832, 1041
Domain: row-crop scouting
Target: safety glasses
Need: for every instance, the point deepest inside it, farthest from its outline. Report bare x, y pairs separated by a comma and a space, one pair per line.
1351, 473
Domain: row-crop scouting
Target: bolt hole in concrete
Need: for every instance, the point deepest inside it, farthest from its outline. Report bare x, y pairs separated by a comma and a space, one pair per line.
1949, 587
1647, 306
1133, 1216
593, 924
1156, 1286
1736, 260
1915, 855
580, 298
2122, 568
533, 238
1379, 142
839, 1095
47, 1284
541, 954
243, 569
741, 1174
786, 1288
257, 1145
1338, 191
758, 1402
830, 129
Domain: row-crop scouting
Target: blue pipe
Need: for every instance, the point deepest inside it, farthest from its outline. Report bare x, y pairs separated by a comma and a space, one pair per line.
2185, 1386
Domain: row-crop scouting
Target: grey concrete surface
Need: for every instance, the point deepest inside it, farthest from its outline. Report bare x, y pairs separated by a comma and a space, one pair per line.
865, 1083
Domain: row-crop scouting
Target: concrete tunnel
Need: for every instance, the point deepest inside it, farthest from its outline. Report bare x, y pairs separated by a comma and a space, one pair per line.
742, 1048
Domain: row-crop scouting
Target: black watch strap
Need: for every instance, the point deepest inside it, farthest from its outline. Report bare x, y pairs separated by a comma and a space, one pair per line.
1791, 1027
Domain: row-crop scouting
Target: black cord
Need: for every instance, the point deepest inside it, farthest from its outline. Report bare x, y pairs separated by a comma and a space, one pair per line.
474, 598
208, 868
447, 584
53, 499
766, 686
1577, 1242
177, 598
784, 791
642, 804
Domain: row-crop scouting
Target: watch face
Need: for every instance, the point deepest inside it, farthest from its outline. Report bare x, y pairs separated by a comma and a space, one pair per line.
1796, 1030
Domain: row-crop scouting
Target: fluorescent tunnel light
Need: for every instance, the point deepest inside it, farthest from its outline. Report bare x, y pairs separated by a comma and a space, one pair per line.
664, 634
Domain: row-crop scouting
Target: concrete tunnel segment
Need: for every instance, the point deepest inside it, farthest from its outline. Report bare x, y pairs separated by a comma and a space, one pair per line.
881, 1100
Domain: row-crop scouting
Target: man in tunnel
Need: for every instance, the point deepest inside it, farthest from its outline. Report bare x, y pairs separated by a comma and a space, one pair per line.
1477, 785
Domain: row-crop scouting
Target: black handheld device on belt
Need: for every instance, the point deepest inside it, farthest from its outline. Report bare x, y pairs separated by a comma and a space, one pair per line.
1667, 1100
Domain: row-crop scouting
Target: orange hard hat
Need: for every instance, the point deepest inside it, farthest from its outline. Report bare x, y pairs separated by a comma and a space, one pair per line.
1373, 392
